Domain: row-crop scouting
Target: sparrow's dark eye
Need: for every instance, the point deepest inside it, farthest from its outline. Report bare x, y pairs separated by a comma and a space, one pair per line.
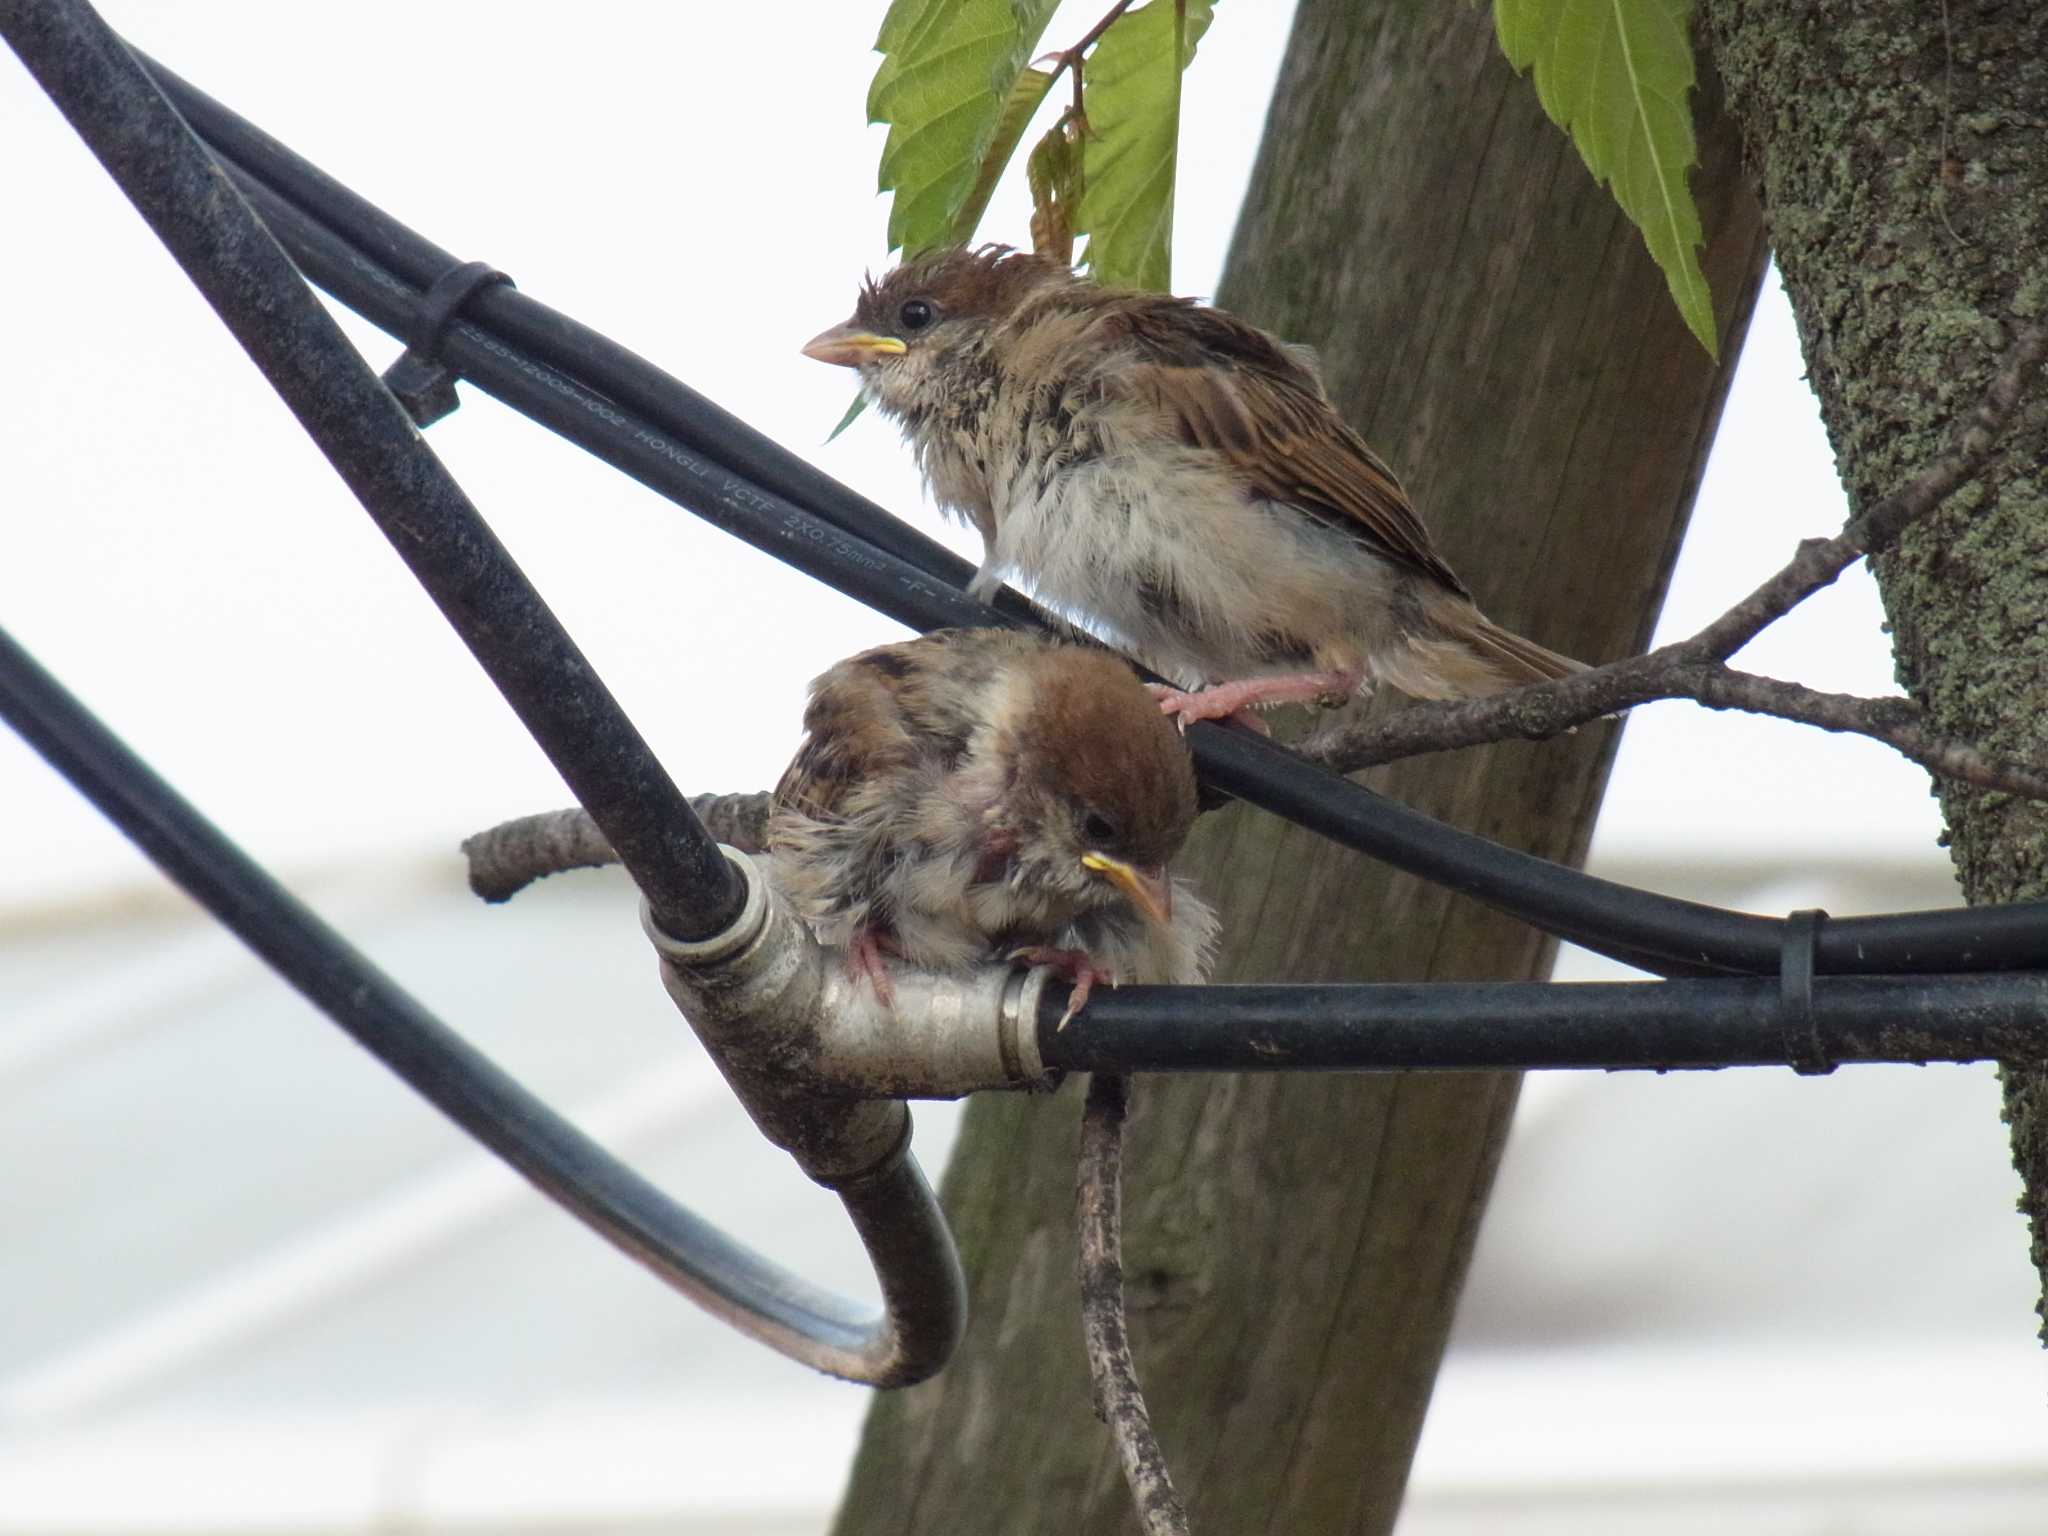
1099, 828
916, 314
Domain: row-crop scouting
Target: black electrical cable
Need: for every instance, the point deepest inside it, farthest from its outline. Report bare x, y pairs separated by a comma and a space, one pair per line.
795, 535
1503, 1026
353, 419
923, 1294
673, 409
1689, 936
1655, 932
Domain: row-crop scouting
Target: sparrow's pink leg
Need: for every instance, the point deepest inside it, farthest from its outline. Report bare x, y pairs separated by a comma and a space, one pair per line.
1172, 699
1234, 701
864, 958
1071, 964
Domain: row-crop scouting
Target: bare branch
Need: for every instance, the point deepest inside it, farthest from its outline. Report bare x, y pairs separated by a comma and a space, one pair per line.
1119, 1402
1820, 561
1550, 709
507, 858
1895, 722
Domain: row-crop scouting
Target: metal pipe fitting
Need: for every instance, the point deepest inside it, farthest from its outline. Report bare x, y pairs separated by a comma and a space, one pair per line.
802, 1048
818, 1059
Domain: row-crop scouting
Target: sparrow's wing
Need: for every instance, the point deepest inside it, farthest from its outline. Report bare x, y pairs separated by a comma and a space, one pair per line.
853, 735
1230, 387
895, 710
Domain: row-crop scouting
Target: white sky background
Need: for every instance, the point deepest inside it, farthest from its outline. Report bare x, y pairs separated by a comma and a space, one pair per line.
179, 555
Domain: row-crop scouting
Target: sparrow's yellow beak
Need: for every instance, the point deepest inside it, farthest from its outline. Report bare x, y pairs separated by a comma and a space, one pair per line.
849, 347
1149, 888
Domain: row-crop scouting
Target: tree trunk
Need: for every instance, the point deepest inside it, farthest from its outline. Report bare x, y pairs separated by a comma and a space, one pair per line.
1295, 1245
1904, 156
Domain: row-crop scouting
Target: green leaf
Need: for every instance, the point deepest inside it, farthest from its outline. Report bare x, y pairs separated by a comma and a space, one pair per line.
1616, 74
1131, 94
948, 84
860, 403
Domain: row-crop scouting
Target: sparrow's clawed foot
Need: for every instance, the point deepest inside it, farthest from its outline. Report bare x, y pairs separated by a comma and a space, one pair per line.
1236, 701
1070, 965
864, 957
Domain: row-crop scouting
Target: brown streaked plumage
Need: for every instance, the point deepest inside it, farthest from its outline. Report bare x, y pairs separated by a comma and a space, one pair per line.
979, 795
1177, 476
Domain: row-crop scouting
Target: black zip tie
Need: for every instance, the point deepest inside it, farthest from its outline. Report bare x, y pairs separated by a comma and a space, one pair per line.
1803, 1049
424, 384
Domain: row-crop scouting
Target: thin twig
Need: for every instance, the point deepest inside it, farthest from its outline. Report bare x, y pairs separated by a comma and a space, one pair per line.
1895, 722
1697, 669
1119, 1402
1820, 561
1070, 59
505, 859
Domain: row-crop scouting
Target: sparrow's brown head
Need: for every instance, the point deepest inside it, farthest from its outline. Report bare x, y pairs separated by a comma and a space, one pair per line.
1101, 790
933, 311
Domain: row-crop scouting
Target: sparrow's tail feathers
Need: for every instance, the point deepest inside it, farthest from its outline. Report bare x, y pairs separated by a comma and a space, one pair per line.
1519, 660
1468, 657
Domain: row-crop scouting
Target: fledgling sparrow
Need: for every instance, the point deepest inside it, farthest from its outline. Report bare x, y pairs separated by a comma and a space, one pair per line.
1175, 475
977, 795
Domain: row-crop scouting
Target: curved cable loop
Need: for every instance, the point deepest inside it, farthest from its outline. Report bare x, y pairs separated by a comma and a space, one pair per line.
179, 189
892, 1208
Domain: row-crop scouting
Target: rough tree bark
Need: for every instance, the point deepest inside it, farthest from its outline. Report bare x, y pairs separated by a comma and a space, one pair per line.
1903, 153
1295, 1246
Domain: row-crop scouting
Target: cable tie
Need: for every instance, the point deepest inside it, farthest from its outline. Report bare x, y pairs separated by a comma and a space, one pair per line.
424, 384
1803, 1049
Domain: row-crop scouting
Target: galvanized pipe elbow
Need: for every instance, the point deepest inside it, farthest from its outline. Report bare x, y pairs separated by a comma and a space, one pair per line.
823, 1068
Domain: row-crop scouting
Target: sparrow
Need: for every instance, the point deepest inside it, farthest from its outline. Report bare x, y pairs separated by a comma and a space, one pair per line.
984, 795
1175, 475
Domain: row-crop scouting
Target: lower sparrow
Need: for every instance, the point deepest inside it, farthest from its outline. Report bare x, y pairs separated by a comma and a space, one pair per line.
981, 795
1175, 475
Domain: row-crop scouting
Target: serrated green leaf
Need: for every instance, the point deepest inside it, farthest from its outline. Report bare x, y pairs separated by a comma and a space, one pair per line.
1616, 74
947, 81
1131, 94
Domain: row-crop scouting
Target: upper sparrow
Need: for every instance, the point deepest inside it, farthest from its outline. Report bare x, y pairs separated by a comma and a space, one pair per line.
1174, 474
979, 795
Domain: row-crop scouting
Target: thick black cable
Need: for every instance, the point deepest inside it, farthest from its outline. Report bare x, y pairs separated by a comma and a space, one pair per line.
923, 1295
1657, 933
1665, 933
1500, 1026
353, 419
795, 535
669, 406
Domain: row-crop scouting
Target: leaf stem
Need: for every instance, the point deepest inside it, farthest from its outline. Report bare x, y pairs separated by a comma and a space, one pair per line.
1070, 58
